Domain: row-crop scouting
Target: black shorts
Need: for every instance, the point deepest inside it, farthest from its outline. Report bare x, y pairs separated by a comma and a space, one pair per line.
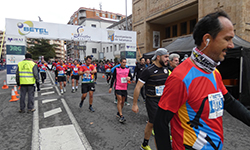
56, 73
75, 77
152, 107
68, 73
86, 87
61, 78
121, 92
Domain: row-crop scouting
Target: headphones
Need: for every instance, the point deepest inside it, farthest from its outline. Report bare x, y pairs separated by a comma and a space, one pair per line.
208, 40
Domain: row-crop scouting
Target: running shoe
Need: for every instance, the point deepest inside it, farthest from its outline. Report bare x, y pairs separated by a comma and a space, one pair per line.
115, 101
56, 82
118, 115
127, 103
68, 82
31, 110
122, 119
21, 111
64, 89
145, 147
80, 105
61, 91
91, 109
73, 91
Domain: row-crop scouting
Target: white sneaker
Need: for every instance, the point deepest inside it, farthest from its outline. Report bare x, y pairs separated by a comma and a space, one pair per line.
61, 91
64, 89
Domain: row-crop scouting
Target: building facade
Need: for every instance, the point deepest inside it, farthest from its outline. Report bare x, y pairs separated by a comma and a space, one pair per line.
59, 49
160, 22
90, 18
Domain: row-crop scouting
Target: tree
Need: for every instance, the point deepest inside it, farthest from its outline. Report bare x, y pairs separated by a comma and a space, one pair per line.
41, 47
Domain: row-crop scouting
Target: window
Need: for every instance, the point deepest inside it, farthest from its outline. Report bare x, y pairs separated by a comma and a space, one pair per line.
183, 28
107, 49
110, 48
103, 49
93, 50
103, 15
75, 22
113, 16
97, 14
108, 15
192, 24
168, 32
115, 48
93, 25
174, 28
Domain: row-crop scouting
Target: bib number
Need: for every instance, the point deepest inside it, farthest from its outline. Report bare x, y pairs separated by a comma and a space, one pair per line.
124, 80
75, 69
159, 90
216, 105
61, 72
68, 69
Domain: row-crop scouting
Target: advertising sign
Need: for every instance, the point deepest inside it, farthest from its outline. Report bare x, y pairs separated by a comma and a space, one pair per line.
77, 47
11, 79
14, 59
15, 40
15, 49
11, 69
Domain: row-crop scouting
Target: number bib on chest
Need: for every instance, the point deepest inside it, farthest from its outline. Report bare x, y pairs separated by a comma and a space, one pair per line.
216, 105
124, 80
68, 69
159, 90
61, 72
75, 69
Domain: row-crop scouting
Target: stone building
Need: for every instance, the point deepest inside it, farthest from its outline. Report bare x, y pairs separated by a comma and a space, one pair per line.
160, 22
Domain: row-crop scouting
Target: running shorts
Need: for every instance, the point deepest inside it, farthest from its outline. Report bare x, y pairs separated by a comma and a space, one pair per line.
86, 87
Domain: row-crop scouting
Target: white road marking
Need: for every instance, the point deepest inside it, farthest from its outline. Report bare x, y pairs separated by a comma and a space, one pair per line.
46, 88
76, 125
130, 97
47, 93
52, 112
35, 129
36, 94
60, 137
48, 100
47, 84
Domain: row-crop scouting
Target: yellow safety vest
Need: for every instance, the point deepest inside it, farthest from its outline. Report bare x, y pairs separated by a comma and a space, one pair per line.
25, 68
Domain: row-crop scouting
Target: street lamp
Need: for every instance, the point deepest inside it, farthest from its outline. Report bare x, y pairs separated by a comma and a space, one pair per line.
126, 15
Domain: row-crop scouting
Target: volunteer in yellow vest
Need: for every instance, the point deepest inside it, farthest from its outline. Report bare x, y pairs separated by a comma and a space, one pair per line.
27, 76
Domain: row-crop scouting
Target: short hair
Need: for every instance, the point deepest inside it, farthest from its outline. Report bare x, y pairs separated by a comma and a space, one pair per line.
142, 58
122, 59
174, 55
88, 57
28, 55
209, 24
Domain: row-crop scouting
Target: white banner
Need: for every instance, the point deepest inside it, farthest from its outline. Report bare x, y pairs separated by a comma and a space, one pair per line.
35, 29
11, 79
15, 40
14, 59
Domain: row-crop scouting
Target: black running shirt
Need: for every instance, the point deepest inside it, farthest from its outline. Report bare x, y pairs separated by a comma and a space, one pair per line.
154, 79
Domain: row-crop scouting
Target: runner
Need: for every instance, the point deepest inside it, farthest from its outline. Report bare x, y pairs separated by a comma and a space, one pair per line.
121, 76
69, 70
43, 67
75, 76
154, 78
54, 64
61, 68
108, 67
87, 71
94, 63
195, 97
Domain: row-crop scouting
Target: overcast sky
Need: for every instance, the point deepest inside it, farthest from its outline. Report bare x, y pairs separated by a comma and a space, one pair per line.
55, 11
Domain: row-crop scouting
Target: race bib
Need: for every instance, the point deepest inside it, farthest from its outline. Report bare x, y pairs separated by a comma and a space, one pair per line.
68, 69
216, 105
124, 80
61, 72
159, 90
108, 70
43, 67
75, 69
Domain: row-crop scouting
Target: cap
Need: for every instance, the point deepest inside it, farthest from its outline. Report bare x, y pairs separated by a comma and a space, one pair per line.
160, 51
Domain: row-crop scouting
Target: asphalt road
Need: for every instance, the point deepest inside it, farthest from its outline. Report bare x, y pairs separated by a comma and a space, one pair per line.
101, 128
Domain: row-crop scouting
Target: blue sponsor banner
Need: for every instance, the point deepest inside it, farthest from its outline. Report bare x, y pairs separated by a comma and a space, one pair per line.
15, 49
128, 54
11, 69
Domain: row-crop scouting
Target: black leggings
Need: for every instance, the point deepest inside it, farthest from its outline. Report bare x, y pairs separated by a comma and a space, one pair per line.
108, 77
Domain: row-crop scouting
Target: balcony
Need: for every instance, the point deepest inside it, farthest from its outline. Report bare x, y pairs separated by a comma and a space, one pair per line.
82, 15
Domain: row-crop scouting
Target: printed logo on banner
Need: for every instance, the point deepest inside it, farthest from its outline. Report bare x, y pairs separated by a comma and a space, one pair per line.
111, 35
15, 49
79, 35
14, 59
130, 47
28, 27
11, 69
11, 79
17, 40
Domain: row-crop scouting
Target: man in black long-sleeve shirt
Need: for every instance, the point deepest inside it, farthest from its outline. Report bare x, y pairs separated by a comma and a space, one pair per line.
137, 73
194, 96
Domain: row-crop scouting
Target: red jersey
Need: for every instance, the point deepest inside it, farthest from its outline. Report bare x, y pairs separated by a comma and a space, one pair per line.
75, 69
196, 99
61, 69
87, 78
42, 67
